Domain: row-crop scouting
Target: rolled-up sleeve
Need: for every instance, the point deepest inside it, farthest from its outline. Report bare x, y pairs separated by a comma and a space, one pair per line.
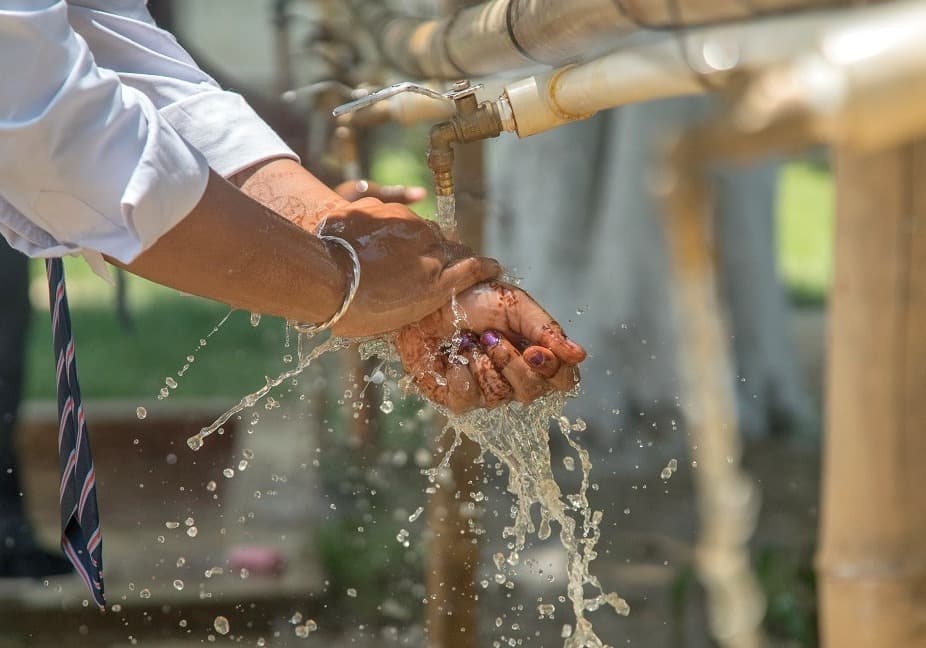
86, 161
220, 124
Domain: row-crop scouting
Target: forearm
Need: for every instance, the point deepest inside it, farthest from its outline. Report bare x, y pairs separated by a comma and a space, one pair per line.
287, 188
231, 249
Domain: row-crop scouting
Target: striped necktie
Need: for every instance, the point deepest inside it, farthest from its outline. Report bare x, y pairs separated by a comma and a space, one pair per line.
81, 537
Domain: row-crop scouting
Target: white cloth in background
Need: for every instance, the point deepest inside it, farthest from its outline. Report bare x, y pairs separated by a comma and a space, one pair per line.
108, 128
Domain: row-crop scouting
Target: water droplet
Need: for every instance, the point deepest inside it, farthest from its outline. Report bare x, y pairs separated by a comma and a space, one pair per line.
161, 539
189, 521
296, 618
229, 473
141, 412
170, 382
163, 393
242, 465
303, 631
386, 407
221, 625
181, 561
145, 593
351, 592
569, 463
195, 442
666, 473
192, 531
210, 486
171, 525
178, 584
255, 319
414, 516
247, 453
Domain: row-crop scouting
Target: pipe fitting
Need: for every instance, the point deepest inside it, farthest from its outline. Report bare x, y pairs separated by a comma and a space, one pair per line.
473, 122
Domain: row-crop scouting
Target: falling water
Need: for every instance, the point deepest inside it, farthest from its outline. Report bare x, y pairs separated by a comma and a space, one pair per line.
518, 435
331, 344
446, 215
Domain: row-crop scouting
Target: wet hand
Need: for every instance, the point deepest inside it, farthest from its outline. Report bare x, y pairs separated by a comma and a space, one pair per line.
498, 346
408, 269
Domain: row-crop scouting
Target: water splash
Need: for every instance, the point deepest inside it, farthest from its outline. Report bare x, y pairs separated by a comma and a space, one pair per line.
305, 359
518, 436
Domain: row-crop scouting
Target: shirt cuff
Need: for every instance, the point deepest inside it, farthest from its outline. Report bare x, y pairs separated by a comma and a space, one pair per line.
226, 130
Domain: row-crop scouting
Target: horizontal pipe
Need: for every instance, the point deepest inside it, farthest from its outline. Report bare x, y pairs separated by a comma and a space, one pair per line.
505, 35
863, 85
887, 45
702, 60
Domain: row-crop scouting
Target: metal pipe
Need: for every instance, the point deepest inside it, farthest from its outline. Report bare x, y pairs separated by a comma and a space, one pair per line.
504, 35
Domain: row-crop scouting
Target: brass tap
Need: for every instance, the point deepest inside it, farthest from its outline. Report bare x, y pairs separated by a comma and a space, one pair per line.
472, 122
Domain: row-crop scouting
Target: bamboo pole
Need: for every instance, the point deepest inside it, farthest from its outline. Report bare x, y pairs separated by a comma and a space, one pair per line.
727, 499
453, 555
872, 561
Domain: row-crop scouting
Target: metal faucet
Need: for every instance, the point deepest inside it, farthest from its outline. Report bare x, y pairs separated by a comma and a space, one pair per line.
473, 121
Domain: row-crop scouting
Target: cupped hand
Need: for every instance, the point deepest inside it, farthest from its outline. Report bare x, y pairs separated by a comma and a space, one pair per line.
495, 345
408, 269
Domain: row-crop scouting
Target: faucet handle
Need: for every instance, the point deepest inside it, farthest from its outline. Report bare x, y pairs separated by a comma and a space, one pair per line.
385, 93
460, 90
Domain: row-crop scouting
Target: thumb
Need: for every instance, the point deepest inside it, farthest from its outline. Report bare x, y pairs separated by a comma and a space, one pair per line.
467, 272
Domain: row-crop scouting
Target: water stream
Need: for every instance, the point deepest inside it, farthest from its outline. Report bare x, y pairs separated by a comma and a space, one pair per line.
518, 436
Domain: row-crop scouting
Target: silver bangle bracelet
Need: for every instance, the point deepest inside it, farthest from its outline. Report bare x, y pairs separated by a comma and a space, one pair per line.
315, 329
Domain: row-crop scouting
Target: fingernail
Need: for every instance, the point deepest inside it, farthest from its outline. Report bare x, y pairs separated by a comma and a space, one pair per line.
489, 339
536, 358
416, 193
468, 341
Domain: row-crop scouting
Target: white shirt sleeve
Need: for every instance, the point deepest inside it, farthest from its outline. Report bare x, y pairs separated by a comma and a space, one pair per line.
86, 162
124, 38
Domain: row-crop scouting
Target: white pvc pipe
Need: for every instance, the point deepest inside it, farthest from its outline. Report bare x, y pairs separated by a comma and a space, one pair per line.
858, 66
690, 64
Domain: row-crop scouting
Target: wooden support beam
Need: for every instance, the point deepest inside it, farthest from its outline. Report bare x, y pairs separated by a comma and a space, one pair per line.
872, 560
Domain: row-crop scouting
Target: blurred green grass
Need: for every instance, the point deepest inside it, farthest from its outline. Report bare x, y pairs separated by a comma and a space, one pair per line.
116, 363
805, 221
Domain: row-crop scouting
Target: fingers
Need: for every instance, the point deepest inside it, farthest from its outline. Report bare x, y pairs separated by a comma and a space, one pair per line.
542, 361
526, 384
357, 189
495, 390
468, 272
532, 322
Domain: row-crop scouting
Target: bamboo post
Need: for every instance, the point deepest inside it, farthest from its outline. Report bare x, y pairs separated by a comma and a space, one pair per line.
453, 555
872, 562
